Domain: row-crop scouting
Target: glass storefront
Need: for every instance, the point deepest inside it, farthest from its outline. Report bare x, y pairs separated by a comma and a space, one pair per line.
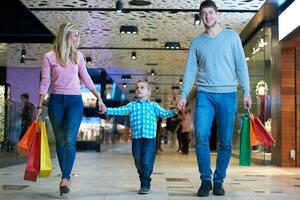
258, 56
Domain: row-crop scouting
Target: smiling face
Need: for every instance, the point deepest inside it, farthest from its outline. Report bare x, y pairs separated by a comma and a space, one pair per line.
142, 90
209, 17
74, 40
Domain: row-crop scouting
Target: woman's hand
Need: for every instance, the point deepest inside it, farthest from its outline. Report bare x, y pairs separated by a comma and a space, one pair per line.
38, 112
102, 107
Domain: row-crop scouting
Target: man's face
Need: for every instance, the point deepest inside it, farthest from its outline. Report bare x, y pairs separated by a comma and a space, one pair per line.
23, 99
209, 17
142, 91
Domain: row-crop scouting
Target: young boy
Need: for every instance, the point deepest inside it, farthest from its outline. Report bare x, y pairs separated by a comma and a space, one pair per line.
142, 114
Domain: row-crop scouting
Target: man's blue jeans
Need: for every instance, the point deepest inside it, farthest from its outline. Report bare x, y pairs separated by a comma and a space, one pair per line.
65, 113
209, 105
143, 151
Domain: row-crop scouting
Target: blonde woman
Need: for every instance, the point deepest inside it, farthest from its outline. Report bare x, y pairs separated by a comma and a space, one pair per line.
62, 69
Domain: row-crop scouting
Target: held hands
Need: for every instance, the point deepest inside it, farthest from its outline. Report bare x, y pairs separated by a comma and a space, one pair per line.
181, 104
102, 107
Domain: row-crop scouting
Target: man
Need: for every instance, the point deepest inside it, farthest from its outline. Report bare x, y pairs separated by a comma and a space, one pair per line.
27, 114
217, 57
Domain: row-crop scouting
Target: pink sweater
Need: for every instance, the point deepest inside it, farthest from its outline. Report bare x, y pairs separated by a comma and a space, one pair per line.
64, 80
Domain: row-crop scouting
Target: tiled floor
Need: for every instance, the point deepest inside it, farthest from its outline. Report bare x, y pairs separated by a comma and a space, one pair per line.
111, 175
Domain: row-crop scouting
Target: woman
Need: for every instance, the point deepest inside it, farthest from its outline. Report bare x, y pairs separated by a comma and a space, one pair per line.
62, 69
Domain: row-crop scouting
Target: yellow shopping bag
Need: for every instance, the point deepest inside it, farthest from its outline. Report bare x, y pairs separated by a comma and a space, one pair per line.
45, 160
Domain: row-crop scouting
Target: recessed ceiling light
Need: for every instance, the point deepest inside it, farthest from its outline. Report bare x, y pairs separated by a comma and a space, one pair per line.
139, 2
149, 39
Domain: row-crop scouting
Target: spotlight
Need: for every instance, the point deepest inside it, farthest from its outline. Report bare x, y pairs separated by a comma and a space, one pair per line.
22, 60
133, 55
197, 19
126, 77
172, 45
180, 81
157, 89
175, 87
152, 72
124, 85
88, 60
129, 29
119, 6
23, 53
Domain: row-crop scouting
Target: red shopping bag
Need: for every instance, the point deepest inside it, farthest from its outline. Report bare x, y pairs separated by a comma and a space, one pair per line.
261, 133
24, 145
33, 162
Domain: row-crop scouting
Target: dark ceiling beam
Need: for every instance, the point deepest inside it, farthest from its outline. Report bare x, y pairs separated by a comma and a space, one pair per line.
266, 14
19, 25
134, 48
146, 74
126, 10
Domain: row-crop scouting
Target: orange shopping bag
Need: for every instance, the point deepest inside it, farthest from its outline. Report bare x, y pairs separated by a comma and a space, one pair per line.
24, 145
261, 133
254, 141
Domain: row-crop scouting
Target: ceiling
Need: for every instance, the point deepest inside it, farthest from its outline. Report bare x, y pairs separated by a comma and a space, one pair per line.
162, 20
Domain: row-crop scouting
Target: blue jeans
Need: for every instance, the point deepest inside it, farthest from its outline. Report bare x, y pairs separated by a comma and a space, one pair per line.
65, 113
143, 151
223, 107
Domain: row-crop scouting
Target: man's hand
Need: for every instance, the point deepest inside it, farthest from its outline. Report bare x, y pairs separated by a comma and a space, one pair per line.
247, 102
181, 104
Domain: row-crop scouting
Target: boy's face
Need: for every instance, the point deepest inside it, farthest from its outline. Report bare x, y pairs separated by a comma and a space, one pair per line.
142, 91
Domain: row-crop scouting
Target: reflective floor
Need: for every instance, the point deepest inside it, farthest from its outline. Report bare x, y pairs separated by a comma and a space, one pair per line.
112, 175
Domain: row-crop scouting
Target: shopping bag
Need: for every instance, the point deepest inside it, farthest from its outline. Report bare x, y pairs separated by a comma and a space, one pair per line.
24, 145
45, 160
262, 133
245, 148
254, 140
33, 162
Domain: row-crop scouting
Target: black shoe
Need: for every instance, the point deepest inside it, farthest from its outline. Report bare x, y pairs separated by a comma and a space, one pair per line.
218, 189
144, 191
204, 189
64, 189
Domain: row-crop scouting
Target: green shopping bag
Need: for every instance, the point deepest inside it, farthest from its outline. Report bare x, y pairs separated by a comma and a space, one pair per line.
245, 148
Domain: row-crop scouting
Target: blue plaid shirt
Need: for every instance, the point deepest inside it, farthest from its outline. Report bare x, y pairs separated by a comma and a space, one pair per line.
142, 116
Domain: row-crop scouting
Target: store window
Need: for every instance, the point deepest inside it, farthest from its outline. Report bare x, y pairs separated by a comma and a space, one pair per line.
258, 56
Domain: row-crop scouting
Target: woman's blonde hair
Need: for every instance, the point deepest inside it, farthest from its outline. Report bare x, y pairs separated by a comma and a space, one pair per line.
61, 44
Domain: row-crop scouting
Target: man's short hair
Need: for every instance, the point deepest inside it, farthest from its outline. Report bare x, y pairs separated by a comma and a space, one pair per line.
25, 95
208, 4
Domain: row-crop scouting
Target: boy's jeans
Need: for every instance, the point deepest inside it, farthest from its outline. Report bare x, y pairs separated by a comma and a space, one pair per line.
143, 151
209, 105
65, 113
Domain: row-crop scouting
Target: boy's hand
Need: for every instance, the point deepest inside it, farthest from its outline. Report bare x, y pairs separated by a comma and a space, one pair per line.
181, 104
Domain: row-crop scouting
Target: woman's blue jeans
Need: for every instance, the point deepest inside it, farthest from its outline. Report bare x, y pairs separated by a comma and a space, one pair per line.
223, 107
65, 113
143, 151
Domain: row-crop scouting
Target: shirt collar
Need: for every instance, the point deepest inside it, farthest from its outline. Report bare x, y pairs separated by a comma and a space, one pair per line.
144, 101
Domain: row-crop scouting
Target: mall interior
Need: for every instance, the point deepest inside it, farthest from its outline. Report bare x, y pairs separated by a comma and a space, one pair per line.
129, 40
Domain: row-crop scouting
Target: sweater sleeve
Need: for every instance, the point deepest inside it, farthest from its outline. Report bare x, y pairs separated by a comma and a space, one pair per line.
45, 78
84, 75
190, 72
241, 66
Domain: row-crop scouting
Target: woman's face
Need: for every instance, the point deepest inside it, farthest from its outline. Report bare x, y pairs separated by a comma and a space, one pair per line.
74, 40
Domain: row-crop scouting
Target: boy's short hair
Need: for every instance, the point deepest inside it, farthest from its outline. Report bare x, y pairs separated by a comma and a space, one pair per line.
25, 95
146, 82
208, 3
